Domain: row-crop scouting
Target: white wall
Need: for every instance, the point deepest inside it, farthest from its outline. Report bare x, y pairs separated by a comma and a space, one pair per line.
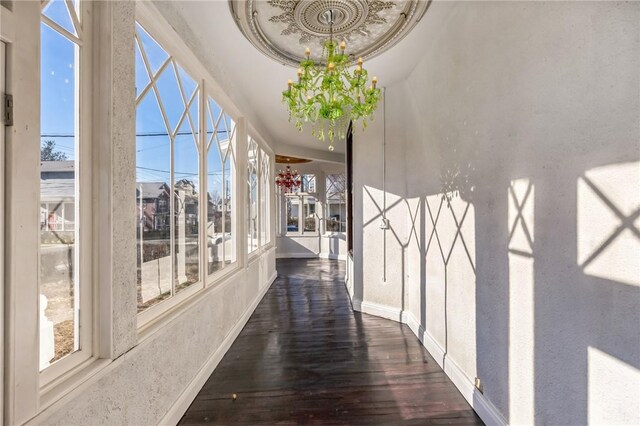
331, 245
529, 108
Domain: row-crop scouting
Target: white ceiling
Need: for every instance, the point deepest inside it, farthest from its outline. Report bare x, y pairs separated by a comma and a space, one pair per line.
255, 82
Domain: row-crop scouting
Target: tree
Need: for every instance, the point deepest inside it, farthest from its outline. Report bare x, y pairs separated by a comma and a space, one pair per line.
48, 152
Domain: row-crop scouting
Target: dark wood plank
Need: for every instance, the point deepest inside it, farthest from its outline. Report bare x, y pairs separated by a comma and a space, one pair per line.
305, 357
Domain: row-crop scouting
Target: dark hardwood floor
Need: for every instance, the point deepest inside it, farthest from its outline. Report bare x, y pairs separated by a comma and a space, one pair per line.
305, 357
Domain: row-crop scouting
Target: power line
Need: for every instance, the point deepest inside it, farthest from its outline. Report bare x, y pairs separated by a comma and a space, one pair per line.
143, 135
177, 173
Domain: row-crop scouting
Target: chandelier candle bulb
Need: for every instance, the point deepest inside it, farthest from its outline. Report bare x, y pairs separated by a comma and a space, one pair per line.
374, 81
343, 45
360, 61
307, 52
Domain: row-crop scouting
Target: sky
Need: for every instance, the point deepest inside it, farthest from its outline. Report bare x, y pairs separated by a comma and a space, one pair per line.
58, 107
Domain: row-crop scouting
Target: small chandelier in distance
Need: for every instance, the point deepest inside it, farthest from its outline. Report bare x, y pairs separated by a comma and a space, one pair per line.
288, 179
328, 95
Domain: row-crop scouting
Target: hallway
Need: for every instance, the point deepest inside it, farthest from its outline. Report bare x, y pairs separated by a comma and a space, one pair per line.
306, 357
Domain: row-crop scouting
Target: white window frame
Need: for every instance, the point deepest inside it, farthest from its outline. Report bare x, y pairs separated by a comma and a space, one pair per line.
300, 195
29, 390
153, 312
326, 206
154, 316
83, 216
265, 183
249, 235
261, 150
218, 275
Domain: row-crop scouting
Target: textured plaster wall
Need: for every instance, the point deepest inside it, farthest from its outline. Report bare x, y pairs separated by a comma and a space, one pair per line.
123, 176
529, 278
381, 253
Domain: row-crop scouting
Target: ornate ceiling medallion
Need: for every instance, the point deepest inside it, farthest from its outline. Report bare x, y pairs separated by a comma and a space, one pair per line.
279, 28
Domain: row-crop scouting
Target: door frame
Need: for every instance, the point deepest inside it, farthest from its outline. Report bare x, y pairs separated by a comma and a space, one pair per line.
3, 61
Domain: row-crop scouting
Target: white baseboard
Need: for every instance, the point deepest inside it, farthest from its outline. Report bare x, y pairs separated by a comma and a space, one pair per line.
311, 256
378, 310
482, 406
296, 255
333, 256
180, 406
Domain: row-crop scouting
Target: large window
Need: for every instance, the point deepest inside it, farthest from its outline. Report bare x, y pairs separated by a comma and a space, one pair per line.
168, 174
253, 162
221, 166
308, 183
65, 198
265, 198
301, 207
336, 211
293, 215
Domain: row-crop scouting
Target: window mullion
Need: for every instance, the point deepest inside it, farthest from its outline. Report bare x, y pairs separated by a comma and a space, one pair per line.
203, 203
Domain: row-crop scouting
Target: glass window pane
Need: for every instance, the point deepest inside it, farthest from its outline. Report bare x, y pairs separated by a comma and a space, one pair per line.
168, 169
215, 204
336, 203
309, 214
309, 183
265, 191
170, 98
229, 213
293, 205
57, 11
59, 287
153, 177
186, 217
155, 55
142, 77
252, 178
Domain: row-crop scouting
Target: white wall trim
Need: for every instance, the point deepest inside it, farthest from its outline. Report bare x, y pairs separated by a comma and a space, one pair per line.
383, 311
311, 256
297, 256
182, 403
333, 256
482, 406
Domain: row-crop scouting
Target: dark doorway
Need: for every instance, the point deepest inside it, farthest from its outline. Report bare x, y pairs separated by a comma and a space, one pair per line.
350, 190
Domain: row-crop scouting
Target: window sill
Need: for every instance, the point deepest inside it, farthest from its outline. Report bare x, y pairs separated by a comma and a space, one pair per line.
161, 321
308, 234
333, 234
68, 385
220, 275
157, 312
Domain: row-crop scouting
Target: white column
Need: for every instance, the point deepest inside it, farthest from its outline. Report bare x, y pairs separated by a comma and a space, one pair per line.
115, 183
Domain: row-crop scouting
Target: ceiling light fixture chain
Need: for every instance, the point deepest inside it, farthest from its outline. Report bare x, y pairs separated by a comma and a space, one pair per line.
328, 95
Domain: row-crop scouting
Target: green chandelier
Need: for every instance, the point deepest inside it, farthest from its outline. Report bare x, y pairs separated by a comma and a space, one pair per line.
328, 95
